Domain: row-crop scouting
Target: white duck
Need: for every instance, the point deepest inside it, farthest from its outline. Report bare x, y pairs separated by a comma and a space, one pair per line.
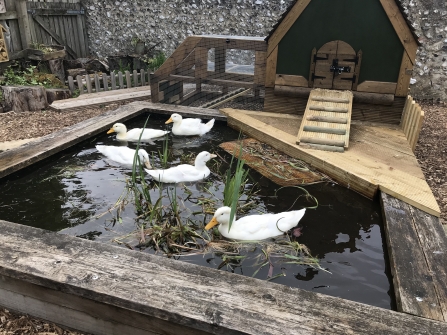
134, 134
254, 227
184, 172
124, 155
188, 127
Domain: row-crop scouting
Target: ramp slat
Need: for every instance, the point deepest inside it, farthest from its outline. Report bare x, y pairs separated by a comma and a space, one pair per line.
327, 119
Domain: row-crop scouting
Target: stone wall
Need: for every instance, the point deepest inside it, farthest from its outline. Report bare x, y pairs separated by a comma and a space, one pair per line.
112, 24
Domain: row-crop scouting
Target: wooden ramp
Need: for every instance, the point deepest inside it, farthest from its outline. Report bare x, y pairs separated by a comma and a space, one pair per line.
327, 120
97, 99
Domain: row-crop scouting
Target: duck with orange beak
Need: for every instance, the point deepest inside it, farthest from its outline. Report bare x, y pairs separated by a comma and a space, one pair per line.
254, 227
134, 134
189, 127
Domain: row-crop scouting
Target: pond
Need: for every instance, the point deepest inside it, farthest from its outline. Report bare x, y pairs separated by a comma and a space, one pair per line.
73, 192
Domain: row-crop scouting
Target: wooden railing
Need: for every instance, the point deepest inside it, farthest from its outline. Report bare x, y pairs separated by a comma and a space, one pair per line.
412, 119
115, 81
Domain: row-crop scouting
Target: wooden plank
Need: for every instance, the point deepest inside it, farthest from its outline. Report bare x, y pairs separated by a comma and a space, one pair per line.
330, 119
97, 83
201, 62
321, 147
325, 130
289, 80
407, 124
101, 98
418, 130
414, 285
233, 42
358, 169
377, 87
80, 84
403, 81
260, 67
270, 75
121, 80
401, 27
9, 15
105, 82
286, 24
329, 108
80, 313
114, 276
24, 25
58, 39
128, 79
113, 80
357, 70
88, 81
322, 141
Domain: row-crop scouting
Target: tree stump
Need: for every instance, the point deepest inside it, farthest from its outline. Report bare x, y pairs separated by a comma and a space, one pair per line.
24, 98
54, 94
57, 68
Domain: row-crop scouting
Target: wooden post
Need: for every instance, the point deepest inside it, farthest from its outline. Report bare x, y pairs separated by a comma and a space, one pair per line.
25, 31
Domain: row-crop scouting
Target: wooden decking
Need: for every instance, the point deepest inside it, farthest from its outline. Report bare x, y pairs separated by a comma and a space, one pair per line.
379, 157
97, 99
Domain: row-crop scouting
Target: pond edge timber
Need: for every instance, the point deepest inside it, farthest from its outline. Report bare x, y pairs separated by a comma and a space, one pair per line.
105, 289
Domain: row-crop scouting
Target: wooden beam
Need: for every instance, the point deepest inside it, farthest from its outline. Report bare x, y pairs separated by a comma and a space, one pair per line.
9, 15
270, 75
416, 245
289, 80
401, 27
68, 271
254, 44
286, 24
24, 26
405, 72
377, 87
58, 39
260, 67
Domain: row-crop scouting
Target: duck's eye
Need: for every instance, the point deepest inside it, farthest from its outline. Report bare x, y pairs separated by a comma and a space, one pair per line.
222, 214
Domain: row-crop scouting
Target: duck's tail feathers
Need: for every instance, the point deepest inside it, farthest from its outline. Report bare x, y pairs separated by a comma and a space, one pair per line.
210, 123
293, 222
101, 148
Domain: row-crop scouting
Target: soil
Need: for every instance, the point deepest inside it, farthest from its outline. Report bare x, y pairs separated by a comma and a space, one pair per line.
431, 152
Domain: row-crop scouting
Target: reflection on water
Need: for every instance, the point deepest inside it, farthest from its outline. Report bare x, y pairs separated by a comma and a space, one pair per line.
78, 185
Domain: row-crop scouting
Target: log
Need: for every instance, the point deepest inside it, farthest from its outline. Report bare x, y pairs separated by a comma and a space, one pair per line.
322, 147
24, 98
75, 72
57, 68
325, 141
54, 94
330, 119
329, 109
360, 97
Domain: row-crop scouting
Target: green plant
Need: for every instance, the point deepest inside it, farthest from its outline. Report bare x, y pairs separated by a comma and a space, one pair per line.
155, 62
42, 47
30, 76
135, 40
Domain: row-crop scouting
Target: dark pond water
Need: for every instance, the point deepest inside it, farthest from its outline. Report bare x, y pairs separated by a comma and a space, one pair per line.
68, 192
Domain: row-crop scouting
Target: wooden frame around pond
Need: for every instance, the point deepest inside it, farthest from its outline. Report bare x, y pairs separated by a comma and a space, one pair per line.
105, 289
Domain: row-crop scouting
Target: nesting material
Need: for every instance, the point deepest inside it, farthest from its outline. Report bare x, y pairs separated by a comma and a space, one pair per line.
273, 164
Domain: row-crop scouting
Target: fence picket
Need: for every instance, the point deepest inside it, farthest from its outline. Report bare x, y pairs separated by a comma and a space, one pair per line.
135, 78
71, 85
120, 79
80, 85
97, 84
105, 82
113, 80
88, 81
128, 80
143, 79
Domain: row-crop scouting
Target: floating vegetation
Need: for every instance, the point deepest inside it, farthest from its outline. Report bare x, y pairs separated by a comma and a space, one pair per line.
167, 226
274, 165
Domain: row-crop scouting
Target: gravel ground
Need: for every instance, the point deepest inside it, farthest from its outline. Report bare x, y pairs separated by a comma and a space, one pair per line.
431, 152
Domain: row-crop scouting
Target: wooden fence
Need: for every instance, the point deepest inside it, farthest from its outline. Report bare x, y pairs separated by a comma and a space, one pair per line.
101, 83
412, 119
46, 22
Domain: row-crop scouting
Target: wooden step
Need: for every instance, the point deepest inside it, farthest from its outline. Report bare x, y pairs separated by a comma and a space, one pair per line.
327, 120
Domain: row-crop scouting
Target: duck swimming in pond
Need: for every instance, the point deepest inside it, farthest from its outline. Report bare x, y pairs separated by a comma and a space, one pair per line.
254, 227
184, 172
134, 134
189, 127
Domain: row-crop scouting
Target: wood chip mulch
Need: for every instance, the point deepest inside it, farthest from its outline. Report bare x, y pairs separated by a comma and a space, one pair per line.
19, 126
16, 324
431, 152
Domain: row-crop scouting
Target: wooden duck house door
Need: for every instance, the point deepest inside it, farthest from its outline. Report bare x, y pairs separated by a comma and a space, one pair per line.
335, 65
